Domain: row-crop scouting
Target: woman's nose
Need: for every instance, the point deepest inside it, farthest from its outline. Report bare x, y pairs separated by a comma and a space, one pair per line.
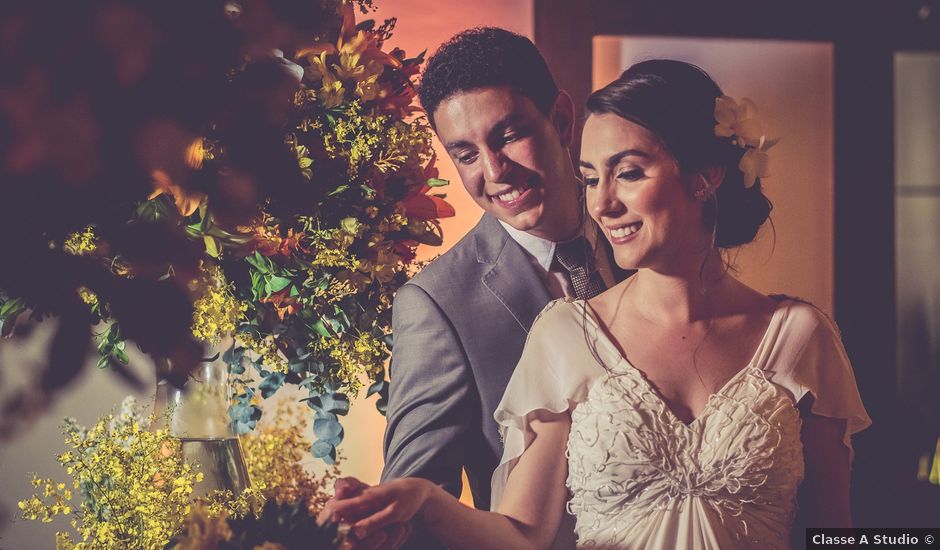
603, 201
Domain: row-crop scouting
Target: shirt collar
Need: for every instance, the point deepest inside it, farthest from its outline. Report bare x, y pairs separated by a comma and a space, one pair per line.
542, 250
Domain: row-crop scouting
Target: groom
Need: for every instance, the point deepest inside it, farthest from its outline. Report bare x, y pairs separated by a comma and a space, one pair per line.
460, 325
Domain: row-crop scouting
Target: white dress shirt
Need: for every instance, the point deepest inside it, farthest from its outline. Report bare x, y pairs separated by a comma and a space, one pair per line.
541, 254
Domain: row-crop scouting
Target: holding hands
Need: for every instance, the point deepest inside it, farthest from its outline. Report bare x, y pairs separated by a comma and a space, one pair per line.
379, 516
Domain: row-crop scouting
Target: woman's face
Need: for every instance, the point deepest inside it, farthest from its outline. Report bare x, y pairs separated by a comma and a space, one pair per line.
638, 196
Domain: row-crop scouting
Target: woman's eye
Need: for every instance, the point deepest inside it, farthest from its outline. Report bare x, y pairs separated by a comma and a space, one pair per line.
630, 175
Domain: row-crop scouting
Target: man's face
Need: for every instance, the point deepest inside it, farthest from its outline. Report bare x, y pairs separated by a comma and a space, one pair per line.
513, 159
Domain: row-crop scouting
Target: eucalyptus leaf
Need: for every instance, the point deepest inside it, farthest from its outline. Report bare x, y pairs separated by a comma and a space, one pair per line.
327, 428
272, 382
322, 449
376, 387
336, 403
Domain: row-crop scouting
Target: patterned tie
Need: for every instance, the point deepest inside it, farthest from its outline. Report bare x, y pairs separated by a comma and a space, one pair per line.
573, 256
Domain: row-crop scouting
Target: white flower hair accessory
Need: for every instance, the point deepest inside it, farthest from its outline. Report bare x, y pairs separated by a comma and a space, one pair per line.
741, 122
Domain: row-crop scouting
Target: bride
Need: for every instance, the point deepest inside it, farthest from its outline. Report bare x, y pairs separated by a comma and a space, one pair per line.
681, 408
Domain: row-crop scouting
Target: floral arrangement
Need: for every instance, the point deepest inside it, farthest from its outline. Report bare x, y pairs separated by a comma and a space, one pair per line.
133, 483
275, 454
277, 527
293, 497
135, 489
284, 199
308, 291
741, 122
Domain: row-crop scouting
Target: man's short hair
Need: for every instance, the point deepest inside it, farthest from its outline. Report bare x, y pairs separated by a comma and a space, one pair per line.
484, 57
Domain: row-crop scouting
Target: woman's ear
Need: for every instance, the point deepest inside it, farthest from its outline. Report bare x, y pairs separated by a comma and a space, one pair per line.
562, 117
707, 181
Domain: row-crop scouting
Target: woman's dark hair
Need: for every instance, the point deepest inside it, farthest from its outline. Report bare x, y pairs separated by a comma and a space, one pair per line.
676, 102
482, 57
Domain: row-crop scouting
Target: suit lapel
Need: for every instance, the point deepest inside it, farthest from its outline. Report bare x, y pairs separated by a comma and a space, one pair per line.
510, 277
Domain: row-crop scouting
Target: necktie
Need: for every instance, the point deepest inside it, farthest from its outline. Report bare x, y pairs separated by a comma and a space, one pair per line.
574, 256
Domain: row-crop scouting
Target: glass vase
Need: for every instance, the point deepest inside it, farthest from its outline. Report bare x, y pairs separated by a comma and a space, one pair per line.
197, 414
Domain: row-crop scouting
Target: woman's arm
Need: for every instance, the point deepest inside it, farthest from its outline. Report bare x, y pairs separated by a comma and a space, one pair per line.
527, 517
824, 495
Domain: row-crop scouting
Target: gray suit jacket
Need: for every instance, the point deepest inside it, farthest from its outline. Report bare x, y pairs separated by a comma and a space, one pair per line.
459, 328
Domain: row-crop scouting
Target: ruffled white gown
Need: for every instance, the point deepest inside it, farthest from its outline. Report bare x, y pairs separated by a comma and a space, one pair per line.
638, 476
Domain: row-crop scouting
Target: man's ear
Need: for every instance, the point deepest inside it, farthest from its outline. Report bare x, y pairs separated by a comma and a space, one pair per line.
562, 117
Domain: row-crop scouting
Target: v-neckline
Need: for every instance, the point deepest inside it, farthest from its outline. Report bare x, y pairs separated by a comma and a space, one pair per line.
782, 306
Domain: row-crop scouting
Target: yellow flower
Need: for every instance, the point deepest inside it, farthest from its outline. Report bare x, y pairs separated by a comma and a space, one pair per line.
87, 296
217, 312
349, 67
266, 350
318, 69
331, 93
82, 242
196, 154
368, 88
116, 464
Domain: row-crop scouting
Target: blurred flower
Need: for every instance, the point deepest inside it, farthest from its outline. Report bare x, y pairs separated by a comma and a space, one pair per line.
292, 68
187, 202
81, 242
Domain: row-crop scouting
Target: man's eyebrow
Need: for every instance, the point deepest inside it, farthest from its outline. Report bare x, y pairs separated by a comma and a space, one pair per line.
617, 157
457, 144
499, 127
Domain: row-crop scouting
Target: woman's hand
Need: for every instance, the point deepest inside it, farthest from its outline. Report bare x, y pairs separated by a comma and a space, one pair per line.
391, 538
393, 502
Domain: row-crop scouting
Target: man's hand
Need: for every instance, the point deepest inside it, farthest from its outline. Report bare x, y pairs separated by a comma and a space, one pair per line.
392, 537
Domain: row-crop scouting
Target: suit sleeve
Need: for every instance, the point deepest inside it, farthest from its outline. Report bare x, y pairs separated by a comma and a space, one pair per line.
432, 395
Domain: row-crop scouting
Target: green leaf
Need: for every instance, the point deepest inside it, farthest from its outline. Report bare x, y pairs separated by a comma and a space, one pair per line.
152, 210
260, 263
305, 162
257, 285
321, 329
276, 284
11, 307
438, 182
213, 247
429, 238
338, 190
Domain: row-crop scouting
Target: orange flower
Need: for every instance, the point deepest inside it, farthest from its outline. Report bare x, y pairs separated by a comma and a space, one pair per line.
284, 304
186, 201
354, 47
269, 242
